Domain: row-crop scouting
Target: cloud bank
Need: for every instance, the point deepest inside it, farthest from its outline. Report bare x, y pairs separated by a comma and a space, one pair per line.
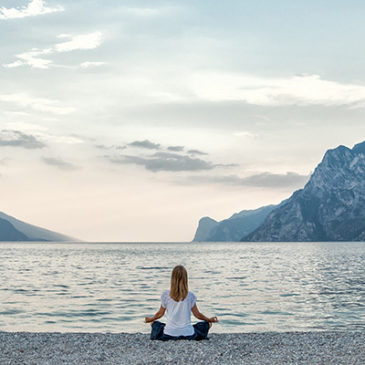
34, 8
175, 148
145, 144
261, 180
165, 158
59, 163
35, 57
78, 42
13, 138
34, 103
302, 90
197, 152
164, 161
89, 64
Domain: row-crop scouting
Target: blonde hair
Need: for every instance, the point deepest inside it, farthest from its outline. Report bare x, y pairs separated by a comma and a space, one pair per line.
179, 283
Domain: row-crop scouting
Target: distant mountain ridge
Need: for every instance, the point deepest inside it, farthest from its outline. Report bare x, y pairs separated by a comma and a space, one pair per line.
233, 228
331, 206
9, 233
12, 229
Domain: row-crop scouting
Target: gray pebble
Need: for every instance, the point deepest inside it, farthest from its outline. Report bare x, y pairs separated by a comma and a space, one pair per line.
239, 348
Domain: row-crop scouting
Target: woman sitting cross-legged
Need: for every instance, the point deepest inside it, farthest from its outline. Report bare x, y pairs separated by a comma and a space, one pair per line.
178, 303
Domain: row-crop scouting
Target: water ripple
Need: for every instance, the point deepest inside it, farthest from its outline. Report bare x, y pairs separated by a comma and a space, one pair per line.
250, 286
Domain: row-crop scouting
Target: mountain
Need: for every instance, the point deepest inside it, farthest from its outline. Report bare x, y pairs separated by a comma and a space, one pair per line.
9, 233
21, 231
331, 206
233, 228
205, 226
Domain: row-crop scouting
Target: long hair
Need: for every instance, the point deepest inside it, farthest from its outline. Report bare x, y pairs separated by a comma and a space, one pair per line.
179, 283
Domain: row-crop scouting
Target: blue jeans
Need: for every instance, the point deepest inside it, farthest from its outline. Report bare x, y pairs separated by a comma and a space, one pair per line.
201, 330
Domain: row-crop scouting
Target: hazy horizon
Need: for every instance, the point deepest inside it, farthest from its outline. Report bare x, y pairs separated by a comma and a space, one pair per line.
131, 120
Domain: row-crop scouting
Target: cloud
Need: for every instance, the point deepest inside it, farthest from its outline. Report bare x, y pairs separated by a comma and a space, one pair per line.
170, 158
164, 161
67, 139
175, 148
299, 90
78, 42
145, 144
34, 8
31, 58
245, 134
58, 162
42, 133
101, 146
197, 152
26, 127
13, 138
262, 180
38, 104
35, 57
89, 64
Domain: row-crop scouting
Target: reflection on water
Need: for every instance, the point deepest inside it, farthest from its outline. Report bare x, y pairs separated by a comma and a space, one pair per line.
249, 286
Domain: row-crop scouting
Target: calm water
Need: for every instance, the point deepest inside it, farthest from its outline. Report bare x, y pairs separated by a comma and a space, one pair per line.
249, 286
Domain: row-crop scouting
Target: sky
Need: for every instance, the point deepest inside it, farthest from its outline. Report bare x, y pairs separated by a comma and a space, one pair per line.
131, 120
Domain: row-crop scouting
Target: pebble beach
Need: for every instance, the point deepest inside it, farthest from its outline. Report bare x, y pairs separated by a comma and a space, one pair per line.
238, 348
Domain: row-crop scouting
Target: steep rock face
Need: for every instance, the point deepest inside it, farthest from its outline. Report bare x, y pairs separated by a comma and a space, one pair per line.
9, 233
331, 206
206, 225
233, 228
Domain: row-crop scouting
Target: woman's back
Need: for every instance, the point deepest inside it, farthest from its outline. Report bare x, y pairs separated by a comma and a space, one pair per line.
179, 311
178, 314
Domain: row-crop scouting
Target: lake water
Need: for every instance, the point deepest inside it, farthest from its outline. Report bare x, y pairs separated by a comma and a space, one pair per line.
92, 287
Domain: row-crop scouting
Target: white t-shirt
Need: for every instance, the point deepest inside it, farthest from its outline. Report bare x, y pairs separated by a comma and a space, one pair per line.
178, 314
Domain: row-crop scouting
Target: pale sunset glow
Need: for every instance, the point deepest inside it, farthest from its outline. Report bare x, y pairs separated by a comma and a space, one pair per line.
131, 120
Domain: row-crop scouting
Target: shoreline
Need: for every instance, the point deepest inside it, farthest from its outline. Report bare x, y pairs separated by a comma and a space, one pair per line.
320, 347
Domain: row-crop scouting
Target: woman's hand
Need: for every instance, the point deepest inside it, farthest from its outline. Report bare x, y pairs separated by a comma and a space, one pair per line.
158, 315
201, 316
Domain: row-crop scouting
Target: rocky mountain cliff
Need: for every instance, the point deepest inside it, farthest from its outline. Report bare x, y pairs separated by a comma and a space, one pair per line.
331, 206
12, 229
233, 228
205, 226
